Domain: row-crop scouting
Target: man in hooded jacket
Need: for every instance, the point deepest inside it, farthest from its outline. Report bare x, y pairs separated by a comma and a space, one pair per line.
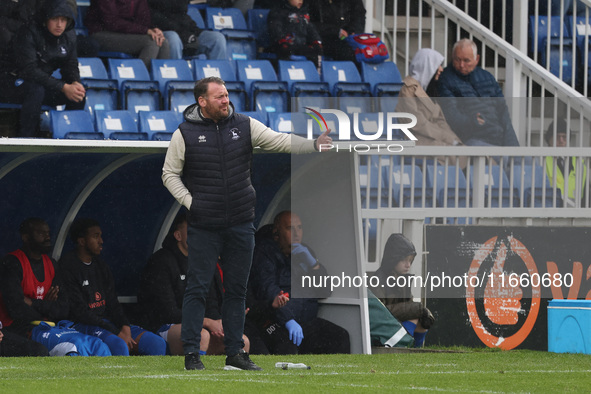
38, 50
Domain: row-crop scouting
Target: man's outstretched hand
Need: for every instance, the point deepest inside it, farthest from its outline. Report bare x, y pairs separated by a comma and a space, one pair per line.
324, 142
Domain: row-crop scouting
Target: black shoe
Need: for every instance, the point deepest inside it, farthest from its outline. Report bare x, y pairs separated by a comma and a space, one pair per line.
193, 361
241, 361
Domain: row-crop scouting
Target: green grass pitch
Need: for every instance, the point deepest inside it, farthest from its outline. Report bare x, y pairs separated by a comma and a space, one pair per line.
466, 371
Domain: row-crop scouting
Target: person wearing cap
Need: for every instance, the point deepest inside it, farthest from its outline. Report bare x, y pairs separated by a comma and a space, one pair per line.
39, 49
399, 254
564, 169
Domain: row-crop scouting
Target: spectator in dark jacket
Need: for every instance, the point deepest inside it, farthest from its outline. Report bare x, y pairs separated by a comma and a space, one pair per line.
335, 20
292, 33
295, 328
472, 100
13, 14
126, 26
172, 15
39, 49
399, 254
162, 287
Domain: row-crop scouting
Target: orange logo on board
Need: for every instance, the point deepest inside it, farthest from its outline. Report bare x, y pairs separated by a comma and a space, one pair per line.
503, 298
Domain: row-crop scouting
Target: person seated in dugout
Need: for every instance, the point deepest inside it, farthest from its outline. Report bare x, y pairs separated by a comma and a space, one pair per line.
399, 254
294, 328
162, 287
94, 306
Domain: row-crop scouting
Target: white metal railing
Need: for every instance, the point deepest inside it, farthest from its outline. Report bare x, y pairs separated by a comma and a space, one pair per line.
441, 24
461, 185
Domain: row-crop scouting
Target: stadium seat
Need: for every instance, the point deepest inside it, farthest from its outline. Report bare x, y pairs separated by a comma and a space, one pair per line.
500, 191
257, 22
180, 96
281, 122
385, 81
73, 125
260, 116
265, 92
101, 91
159, 125
119, 125
549, 32
367, 124
195, 14
165, 70
407, 183
303, 82
223, 69
240, 41
533, 186
346, 84
128, 69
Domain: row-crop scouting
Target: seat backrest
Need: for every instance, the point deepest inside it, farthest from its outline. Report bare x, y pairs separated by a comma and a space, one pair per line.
257, 22
195, 14
281, 122
300, 71
260, 116
335, 71
385, 72
92, 68
241, 49
543, 25
225, 18
64, 122
128, 69
157, 123
223, 69
254, 70
164, 70
100, 95
121, 121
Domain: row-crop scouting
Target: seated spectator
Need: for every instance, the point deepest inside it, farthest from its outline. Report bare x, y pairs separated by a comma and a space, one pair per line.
292, 33
33, 299
94, 306
564, 170
13, 14
419, 86
294, 328
39, 49
171, 15
13, 345
162, 286
472, 100
399, 254
335, 20
127, 27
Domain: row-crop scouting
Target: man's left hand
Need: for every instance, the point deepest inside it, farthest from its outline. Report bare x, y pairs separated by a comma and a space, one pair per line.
324, 142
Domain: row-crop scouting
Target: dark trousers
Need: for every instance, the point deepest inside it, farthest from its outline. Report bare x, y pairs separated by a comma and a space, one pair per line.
14, 345
32, 96
234, 247
320, 337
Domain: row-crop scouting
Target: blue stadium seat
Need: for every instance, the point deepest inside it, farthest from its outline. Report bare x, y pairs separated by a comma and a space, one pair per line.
195, 14
346, 84
265, 92
165, 70
303, 82
223, 69
407, 183
159, 125
240, 41
533, 185
180, 96
101, 91
119, 125
368, 125
73, 125
128, 69
281, 122
384, 78
257, 22
260, 116
82, 10
549, 32
500, 191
